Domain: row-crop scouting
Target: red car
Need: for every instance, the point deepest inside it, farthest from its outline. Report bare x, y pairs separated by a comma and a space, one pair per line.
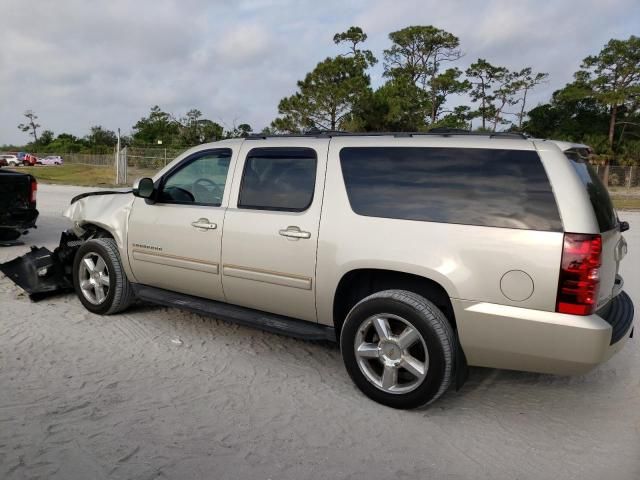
29, 160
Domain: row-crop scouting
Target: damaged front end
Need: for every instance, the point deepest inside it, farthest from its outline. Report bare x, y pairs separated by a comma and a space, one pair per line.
42, 272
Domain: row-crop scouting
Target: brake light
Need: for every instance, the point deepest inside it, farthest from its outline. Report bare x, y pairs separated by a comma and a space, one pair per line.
579, 274
33, 193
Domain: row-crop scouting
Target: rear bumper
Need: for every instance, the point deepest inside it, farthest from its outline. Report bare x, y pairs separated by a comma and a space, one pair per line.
619, 314
501, 336
19, 219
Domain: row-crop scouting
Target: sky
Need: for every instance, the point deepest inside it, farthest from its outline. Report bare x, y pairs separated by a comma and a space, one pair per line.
79, 63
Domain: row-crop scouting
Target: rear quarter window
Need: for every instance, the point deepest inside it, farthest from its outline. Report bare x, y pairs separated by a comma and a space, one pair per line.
487, 187
598, 193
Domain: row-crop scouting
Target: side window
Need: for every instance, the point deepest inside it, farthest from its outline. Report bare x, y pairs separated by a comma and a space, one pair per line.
278, 179
199, 180
470, 186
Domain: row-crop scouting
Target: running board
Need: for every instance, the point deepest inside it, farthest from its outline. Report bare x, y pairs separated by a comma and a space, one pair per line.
233, 313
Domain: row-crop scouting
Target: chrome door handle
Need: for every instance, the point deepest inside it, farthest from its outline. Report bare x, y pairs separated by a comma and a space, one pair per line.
294, 233
204, 224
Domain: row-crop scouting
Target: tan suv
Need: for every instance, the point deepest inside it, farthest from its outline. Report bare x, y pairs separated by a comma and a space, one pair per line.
419, 253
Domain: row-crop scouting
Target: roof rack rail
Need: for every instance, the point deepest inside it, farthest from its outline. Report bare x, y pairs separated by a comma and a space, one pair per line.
316, 131
460, 131
439, 131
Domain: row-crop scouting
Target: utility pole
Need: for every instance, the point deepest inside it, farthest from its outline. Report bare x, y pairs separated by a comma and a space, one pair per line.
118, 160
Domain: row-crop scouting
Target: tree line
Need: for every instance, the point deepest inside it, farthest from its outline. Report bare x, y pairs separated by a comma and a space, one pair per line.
423, 88
420, 75
158, 128
600, 107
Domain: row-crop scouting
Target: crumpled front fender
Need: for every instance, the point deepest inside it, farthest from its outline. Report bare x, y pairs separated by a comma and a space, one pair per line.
109, 212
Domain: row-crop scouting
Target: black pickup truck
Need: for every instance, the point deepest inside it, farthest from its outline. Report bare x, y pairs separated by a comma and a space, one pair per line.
17, 204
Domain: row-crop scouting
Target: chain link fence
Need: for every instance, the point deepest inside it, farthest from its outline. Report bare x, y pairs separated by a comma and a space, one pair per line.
619, 177
96, 159
137, 157
152, 157
145, 161
131, 163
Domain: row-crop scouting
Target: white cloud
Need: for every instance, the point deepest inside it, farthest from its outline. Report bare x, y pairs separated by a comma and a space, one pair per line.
243, 45
79, 63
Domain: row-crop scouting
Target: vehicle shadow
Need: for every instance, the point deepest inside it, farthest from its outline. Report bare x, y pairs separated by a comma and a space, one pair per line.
484, 386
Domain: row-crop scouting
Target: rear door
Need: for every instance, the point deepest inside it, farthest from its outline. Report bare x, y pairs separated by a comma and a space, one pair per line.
614, 247
271, 226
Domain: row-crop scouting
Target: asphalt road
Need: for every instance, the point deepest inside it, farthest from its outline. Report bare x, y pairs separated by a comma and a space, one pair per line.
160, 393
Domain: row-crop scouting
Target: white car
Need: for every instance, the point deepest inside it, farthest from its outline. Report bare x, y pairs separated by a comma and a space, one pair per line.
12, 160
50, 160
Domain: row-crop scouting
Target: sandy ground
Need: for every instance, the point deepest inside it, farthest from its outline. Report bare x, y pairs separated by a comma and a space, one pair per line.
159, 393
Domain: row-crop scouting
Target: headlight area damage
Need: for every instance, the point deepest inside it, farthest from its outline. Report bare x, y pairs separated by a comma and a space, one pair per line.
42, 272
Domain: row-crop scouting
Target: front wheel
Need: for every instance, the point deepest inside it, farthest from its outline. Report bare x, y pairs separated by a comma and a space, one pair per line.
399, 349
99, 278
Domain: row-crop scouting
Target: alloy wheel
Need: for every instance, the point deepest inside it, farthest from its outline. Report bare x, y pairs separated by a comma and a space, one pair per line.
94, 278
391, 353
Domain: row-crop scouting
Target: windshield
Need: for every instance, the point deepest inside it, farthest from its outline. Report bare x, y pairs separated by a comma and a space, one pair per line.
598, 194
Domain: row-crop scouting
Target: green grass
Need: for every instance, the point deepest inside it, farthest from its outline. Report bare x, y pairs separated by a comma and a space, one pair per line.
626, 203
82, 175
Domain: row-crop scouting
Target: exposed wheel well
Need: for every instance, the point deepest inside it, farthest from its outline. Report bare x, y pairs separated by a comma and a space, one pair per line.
94, 231
358, 284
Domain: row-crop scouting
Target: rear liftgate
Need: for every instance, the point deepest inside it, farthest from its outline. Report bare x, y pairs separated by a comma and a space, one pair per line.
41, 272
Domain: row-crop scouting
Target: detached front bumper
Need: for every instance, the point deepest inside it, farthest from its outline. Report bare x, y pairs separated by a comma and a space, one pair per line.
41, 272
501, 336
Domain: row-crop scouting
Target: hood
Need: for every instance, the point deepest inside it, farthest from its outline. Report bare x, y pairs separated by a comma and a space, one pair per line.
99, 192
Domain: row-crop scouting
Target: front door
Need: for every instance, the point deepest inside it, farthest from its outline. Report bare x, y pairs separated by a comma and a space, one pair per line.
175, 242
271, 227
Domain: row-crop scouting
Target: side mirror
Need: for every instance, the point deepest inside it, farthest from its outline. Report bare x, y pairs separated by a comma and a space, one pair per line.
624, 226
143, 188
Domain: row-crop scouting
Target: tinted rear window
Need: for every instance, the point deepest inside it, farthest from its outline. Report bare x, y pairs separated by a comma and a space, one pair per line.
598, 194
278, 179
497, 188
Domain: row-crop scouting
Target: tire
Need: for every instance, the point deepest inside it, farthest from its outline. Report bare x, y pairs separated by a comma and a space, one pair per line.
418, 336
117, 293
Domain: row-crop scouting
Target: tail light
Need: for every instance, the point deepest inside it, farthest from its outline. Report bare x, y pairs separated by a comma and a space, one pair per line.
33, 193
579, 274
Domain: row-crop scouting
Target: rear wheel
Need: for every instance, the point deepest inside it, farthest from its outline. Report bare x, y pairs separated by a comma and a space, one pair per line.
99, 278
399, 349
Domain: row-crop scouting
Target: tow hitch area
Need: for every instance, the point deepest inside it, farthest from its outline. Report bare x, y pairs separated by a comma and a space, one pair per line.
42, 272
